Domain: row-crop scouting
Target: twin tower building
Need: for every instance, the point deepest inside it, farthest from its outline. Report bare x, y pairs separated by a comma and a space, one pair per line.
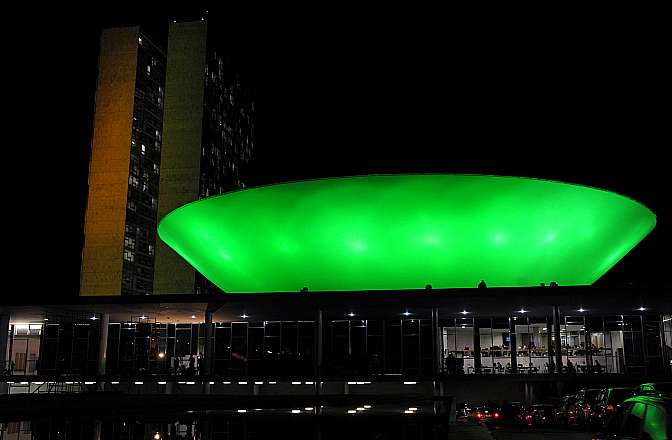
172, 125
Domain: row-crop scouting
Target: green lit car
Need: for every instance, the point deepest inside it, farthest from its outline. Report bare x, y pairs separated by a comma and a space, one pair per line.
646, 417
661, 387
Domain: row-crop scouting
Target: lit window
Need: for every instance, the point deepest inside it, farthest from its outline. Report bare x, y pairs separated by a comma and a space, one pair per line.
128, 256
140, 41
143, 148
149, 69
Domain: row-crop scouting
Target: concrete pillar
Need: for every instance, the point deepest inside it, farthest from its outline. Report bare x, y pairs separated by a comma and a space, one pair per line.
102, 343
452, 411
586, 344
557, 346
318, 344
436, 344
97, 429
4, 340
513, 345
549, 340
208, 349
102, 349
208, 352
477, 347
4, 337
318, 360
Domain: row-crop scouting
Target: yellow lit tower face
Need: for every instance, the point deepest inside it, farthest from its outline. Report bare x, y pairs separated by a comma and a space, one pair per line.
389, 232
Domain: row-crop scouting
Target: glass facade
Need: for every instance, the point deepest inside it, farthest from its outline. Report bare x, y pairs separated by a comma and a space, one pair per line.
24, 349
143, 175
228, 135
352, 347
68, 348
228, 128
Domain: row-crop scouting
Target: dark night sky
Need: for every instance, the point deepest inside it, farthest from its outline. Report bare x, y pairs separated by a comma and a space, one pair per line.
584, 102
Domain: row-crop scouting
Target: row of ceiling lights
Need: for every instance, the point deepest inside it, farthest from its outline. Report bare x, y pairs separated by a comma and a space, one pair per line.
406, 313
521, 311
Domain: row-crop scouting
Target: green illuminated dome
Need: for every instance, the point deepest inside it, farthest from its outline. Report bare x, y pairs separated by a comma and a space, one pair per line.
406, 231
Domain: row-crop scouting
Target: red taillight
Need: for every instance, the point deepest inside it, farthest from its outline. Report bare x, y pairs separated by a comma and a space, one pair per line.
528, 418
479, 415
496, 415
610, 407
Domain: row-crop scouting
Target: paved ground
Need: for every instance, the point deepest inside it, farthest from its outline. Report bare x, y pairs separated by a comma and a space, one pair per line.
528, 433
466, 430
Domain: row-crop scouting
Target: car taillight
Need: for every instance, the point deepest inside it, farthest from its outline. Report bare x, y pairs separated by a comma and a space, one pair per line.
479, 415
610, 407
528, 418
496, 415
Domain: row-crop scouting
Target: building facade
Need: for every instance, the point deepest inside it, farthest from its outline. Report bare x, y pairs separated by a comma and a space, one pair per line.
168, 130
121, 215
208, 138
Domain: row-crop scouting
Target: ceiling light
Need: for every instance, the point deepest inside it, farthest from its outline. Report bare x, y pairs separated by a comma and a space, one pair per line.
464, 312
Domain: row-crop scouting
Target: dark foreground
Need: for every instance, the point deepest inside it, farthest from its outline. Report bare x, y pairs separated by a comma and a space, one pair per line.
529, 433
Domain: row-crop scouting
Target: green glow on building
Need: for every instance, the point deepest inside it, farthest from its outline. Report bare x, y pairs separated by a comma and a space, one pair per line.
405, 231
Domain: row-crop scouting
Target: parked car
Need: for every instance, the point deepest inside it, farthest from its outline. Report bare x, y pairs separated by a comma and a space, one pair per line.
509, 414
585, 399
664, 387
607, 402
646, 417
564, 414
539, 415
466, 410
482, 414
